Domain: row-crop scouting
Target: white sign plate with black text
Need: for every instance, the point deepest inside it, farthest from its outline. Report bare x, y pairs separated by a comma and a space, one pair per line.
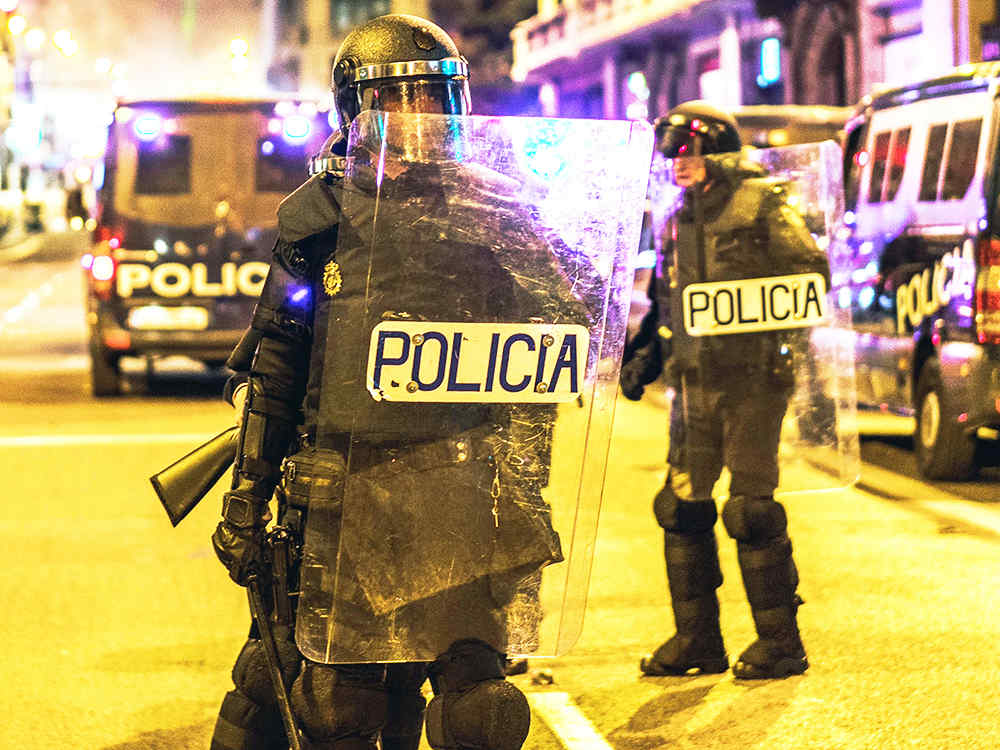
771, 303
420, 361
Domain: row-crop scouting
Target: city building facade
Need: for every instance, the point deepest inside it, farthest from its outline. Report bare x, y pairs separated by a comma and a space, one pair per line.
637, 58
299, 38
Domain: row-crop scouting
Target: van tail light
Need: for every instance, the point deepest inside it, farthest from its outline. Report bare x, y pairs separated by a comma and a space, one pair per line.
101, 264
988, 290
105, 234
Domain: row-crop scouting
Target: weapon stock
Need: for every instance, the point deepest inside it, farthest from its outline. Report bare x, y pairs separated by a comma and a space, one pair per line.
183, 484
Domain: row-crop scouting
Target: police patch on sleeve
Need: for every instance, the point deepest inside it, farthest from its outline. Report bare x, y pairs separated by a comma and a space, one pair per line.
477, 362
771, 303
332, 280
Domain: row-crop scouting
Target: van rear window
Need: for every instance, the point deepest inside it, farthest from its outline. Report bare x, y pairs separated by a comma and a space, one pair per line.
881, 153
961, 159
897, 161
281, 166
932, 163
164, 166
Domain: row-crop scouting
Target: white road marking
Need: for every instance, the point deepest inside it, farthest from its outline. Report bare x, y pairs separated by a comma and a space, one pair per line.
567, 722
44, 363
985, 516
944, 504
31, 441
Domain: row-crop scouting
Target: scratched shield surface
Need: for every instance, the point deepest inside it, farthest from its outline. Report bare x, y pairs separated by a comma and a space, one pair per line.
484, 270
762, 352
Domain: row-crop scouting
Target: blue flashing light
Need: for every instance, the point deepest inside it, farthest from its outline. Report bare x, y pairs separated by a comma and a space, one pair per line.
300, 295
267, 148
770, 62
148, 127
844, 297
849, 218
297, 128
866, 296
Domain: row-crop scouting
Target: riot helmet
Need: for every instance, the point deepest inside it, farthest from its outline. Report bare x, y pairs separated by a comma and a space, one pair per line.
696, 128
399, 63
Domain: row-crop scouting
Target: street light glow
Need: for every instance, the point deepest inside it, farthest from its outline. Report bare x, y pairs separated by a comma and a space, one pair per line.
35, 38
239, 47
8, 5
61, 38
16, 25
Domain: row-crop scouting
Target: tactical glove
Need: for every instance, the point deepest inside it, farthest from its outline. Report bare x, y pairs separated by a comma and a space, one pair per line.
643, 367
631, 380
239, 538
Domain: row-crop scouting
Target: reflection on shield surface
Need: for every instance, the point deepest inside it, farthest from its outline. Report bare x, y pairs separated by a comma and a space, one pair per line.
485, 266
759, 335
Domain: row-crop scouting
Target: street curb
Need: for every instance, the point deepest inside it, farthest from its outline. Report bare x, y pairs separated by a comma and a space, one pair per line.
944, 506
24, 247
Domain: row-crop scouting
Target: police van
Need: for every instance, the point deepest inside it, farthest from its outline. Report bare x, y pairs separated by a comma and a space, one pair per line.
922, 227
186, 222
774, 125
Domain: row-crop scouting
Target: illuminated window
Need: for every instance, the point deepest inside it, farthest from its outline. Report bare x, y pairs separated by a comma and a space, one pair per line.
636, 96
770, 62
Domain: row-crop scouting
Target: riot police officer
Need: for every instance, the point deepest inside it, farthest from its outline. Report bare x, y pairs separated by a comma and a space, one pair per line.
297, 389
732, 392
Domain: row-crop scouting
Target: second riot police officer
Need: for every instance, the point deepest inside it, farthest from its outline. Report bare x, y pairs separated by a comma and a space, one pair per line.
730, 222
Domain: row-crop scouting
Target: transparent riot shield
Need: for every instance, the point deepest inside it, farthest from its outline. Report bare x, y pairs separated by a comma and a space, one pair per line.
761, 363
478, 300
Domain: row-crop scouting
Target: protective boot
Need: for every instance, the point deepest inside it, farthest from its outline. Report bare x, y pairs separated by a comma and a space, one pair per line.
245, 725
770, 578
693, 574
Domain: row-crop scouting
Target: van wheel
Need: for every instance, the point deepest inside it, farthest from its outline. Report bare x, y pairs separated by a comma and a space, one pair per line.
944, 449
105, 371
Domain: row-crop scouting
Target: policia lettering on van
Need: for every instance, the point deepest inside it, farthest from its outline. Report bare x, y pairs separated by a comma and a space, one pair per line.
188, 217
922, 222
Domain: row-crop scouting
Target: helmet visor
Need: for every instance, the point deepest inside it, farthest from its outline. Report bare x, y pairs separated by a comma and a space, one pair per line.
443, 96
679, 142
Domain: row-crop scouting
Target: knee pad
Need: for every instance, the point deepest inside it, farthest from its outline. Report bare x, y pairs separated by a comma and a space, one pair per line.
334, 703
754, 519
491, 715
250, 675
473, 705
243, 724
683, 516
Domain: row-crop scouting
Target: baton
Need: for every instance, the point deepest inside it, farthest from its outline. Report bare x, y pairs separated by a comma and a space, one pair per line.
259, 614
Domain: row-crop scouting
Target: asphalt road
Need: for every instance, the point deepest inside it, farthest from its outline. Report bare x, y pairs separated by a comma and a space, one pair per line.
120, 631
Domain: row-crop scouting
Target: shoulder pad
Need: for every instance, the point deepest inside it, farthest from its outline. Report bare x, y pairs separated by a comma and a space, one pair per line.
290, 257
